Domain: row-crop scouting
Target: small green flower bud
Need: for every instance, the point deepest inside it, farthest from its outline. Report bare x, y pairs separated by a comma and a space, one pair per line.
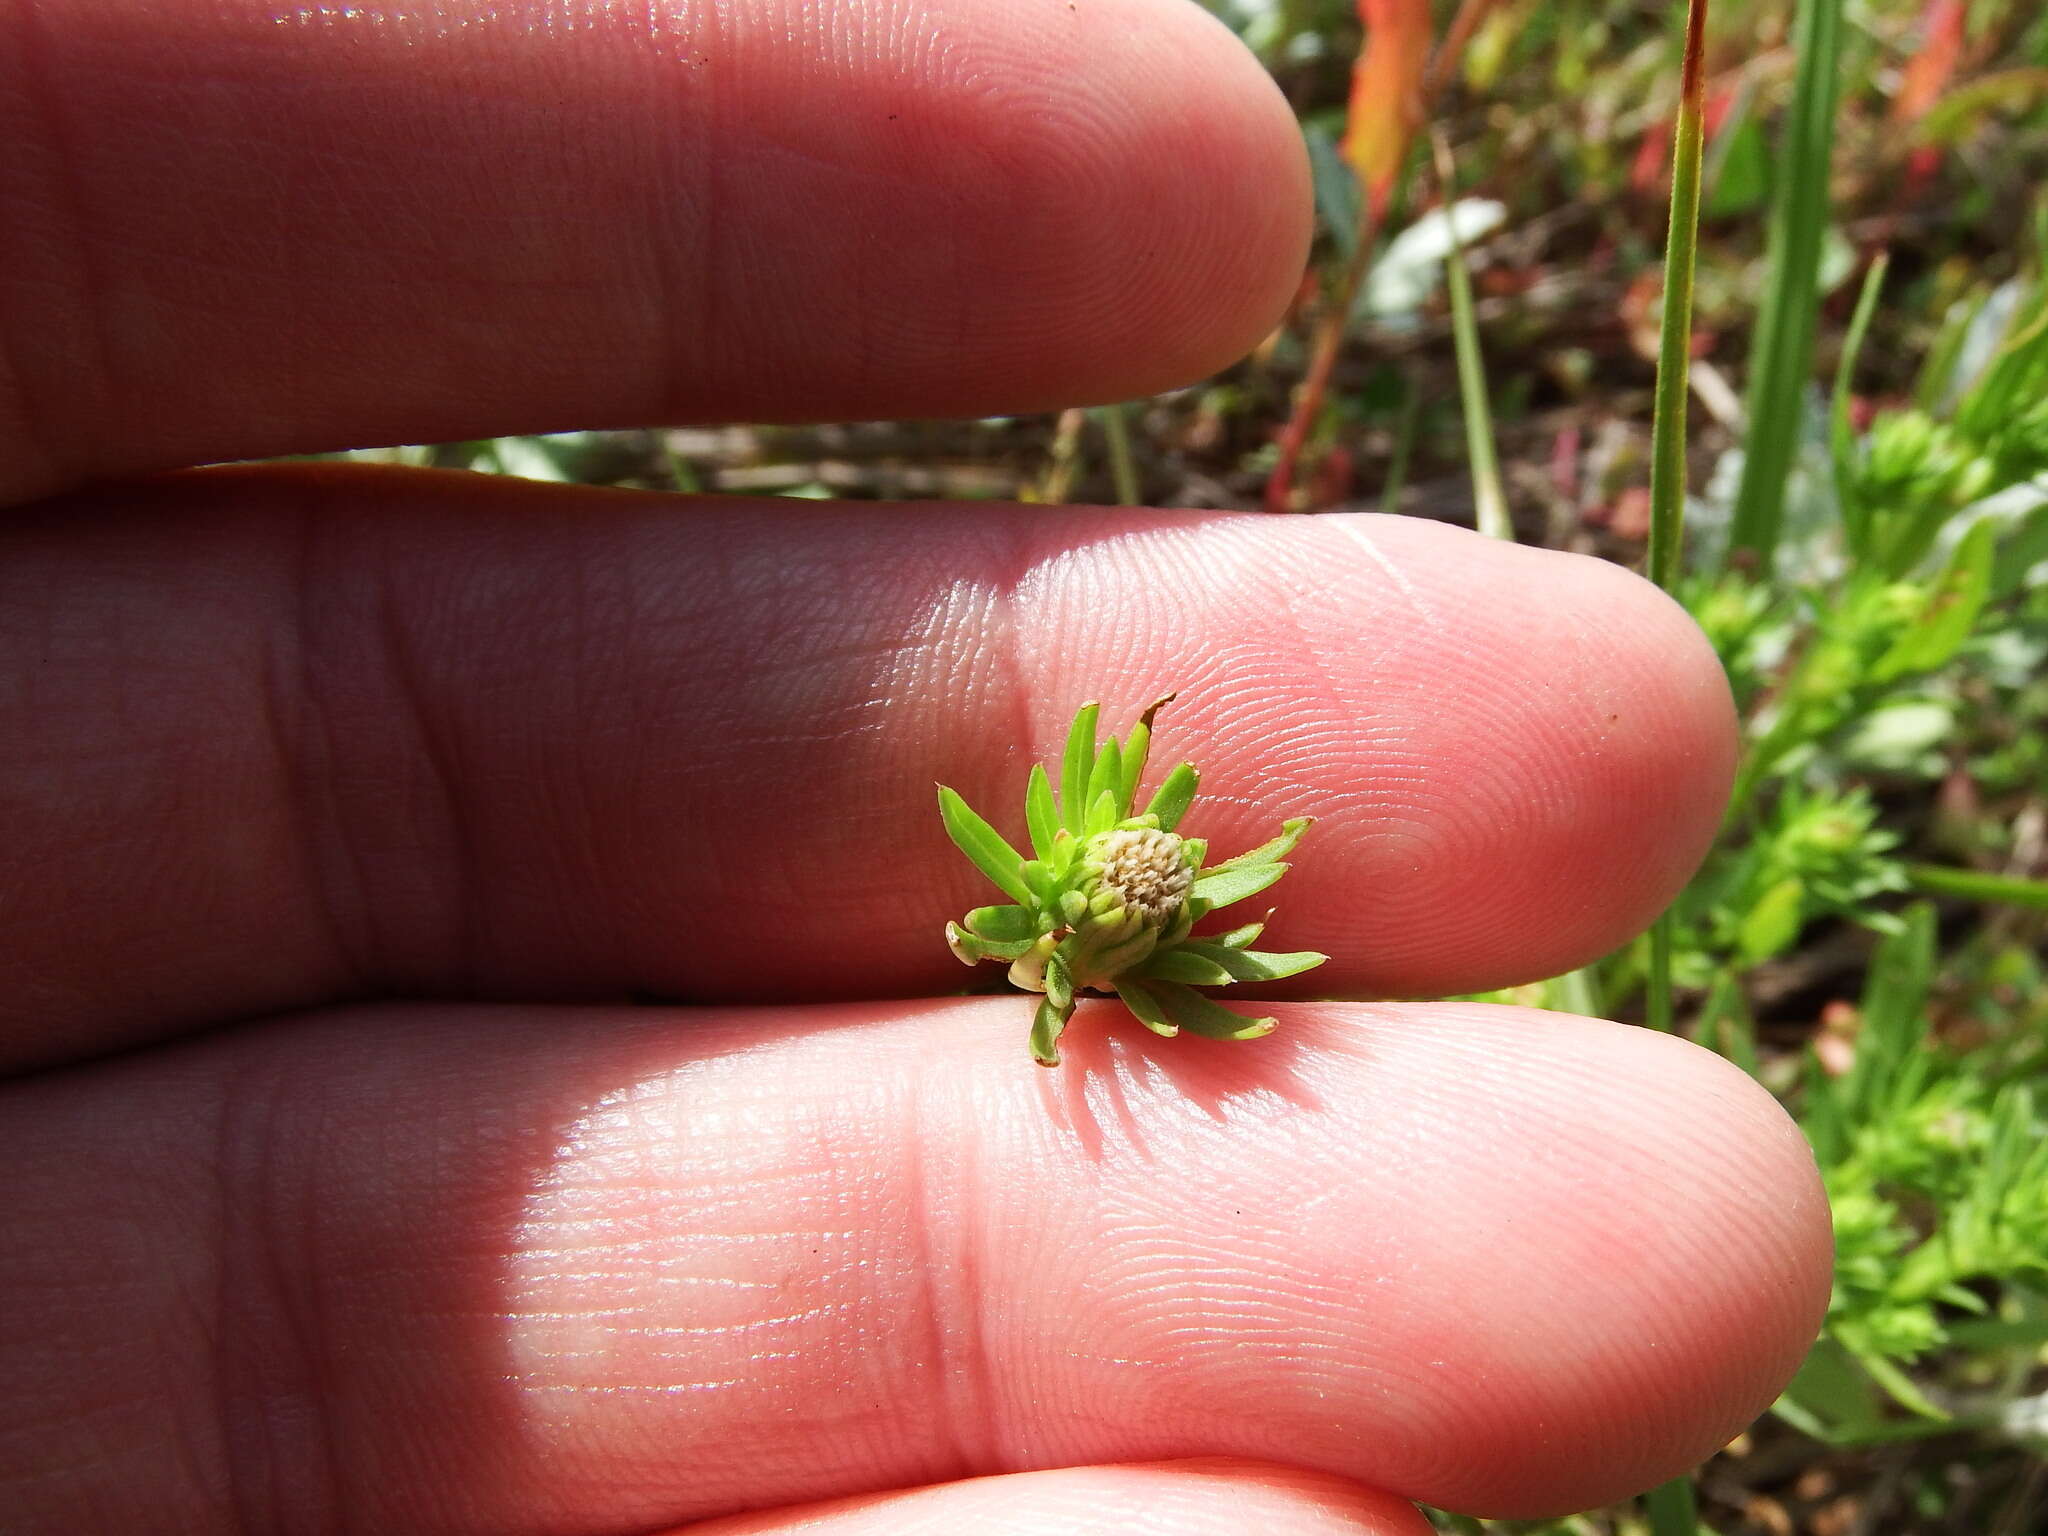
1110, 895
1136, 882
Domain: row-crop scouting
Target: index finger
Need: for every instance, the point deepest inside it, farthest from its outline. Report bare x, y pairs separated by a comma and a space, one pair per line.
229, 230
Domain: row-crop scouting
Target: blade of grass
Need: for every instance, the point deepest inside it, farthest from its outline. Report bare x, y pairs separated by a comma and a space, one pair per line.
1672, 1507
680, 469
1781, 357
1667, 433
1841, 430
1674, 341
1123, 472
1404, 447
1974, 885
1489, 502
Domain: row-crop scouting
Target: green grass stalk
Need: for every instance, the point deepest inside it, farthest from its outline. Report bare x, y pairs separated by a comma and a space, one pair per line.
1667, 432
1673, 1509
1489, 501
1781, 357
1974, 885
1123, 472
1405, 425
1674, 340
680, 469
1841, 429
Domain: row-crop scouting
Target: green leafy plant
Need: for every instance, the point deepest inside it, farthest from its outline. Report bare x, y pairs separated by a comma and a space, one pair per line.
1937, 1171
1109, 900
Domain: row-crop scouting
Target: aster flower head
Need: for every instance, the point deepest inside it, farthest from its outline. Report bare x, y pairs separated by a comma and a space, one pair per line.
1109, 899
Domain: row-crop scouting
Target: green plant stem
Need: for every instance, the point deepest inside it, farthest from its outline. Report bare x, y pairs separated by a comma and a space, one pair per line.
1322, 363
1781, 358
1674, 342
1841, 430
1657, 1012
1667, 432
1489, 502
1404, 448
1672, 1509
1123, 472
679, 468
1973, 885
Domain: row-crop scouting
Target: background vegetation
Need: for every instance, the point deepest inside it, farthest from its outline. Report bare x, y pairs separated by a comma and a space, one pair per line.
1867, 546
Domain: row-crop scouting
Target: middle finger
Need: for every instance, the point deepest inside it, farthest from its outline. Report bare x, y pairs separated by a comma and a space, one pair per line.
322, 735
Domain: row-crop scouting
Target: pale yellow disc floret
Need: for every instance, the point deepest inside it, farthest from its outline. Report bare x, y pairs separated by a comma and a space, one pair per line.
1143, 866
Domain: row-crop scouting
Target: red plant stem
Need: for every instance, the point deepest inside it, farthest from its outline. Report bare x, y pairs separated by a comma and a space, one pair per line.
1329, 338
1315, 383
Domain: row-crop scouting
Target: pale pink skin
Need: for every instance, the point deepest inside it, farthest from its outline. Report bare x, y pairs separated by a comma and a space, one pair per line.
277, 742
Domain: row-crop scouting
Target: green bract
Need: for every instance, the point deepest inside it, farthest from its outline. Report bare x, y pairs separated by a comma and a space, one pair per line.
1108, 900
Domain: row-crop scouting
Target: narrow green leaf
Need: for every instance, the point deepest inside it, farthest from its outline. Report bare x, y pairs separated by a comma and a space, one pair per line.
1176, 792
1145, 1007
1075, 767
1102, 815
1673, 1509
1240, 938
1249, 964
1182, 965
1674, 345
1123, 469
1953, 604
1107, 778
1000, 924
1041, 811
1041, 880
1769, 927
1046, 1026
1137, 749
1199, 1016
1267, 853
1975, 885
1902, 1388
984, 845
1725, 1024
1059, 979
1220, 887
970, 948
1133, 767
1781, 354
1489, 500
1841, 430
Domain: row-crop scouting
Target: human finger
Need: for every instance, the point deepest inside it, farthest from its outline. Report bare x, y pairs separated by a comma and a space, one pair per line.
277, 739
1180, 1498
515, 1270
273, 740
230, 230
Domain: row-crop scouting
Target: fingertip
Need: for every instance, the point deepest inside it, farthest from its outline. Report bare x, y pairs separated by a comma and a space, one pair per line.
1633, 1250
1200, 1497
1542, 749
772, 212
1130, 211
